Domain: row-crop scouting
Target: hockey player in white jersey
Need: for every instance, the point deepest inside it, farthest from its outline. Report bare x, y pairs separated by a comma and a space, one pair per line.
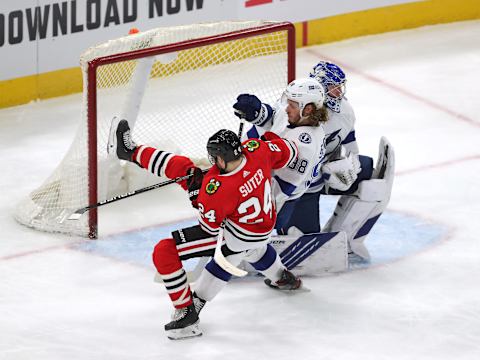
298, 117
365, 191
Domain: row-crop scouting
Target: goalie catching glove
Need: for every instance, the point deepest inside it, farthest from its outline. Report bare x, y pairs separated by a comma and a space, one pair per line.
342, 173
120, 140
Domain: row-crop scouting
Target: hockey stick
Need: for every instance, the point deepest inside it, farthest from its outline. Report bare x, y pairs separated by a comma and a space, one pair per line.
218, 256
78, 213
240, 128
223, 262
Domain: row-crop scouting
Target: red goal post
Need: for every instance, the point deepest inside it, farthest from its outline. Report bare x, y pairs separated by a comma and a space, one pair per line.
175, 86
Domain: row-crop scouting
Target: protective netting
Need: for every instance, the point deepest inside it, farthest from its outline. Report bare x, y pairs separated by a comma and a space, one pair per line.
173, 101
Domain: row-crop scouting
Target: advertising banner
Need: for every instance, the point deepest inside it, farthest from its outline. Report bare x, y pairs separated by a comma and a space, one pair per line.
39, 36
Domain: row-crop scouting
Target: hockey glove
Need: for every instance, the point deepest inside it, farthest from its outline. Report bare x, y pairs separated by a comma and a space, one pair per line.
268, 136
194, 183
343, 173
247, 107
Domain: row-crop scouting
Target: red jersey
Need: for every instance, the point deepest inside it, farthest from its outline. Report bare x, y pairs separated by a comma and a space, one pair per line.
241, 199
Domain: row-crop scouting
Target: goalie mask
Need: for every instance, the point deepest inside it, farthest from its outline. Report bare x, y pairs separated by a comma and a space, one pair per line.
225, 144
304, 91
332, 79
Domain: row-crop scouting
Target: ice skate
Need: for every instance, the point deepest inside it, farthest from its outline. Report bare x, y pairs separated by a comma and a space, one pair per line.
288, 281
184, 324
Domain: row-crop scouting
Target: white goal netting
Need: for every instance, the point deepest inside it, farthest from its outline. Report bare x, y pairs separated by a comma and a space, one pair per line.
176, 87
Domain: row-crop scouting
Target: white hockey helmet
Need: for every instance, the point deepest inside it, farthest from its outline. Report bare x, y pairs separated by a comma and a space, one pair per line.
304, 91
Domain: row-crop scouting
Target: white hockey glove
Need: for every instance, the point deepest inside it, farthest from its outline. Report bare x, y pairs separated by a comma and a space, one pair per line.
343, 172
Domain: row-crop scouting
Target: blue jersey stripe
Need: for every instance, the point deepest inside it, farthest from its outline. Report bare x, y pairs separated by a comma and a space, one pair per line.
285, 186
253, 133
331, 137
267, 259
365, 229
214, 269
320, 181
349, 138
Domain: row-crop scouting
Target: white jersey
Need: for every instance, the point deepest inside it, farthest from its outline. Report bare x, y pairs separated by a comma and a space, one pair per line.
339, 133
293, 181
340, 130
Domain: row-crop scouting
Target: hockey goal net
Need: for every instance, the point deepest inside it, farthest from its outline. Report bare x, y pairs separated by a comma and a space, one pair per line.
176, 87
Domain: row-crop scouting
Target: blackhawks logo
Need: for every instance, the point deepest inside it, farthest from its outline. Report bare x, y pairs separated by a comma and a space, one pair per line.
252, 145
212, 186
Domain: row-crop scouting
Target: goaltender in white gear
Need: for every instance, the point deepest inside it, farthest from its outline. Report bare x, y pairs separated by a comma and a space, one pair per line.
365, 198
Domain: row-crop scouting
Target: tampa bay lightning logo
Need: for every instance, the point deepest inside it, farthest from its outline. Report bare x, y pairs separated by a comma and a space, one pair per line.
305, 138
332, 141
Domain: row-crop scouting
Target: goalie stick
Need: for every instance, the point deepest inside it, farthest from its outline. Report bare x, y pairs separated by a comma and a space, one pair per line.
78, 213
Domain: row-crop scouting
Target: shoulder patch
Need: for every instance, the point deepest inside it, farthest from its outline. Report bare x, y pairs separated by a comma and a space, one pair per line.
305, 138
212, 186
252, 145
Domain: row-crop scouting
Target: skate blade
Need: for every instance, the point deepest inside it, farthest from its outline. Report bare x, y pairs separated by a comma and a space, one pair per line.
185, 333
112, 136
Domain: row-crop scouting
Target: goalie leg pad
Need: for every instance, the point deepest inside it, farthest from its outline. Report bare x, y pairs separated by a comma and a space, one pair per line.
357, 214
313, 254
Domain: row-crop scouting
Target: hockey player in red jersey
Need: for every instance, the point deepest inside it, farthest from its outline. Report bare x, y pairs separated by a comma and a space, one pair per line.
234, 204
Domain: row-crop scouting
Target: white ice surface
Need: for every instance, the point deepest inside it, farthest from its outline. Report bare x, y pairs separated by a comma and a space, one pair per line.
416, 87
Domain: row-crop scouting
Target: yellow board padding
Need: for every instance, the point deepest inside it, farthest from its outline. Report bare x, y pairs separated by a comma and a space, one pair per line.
43, 86
391, 18
63, 82
298, 34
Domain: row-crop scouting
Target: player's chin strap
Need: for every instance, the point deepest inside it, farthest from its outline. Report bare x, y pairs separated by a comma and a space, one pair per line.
222, 261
